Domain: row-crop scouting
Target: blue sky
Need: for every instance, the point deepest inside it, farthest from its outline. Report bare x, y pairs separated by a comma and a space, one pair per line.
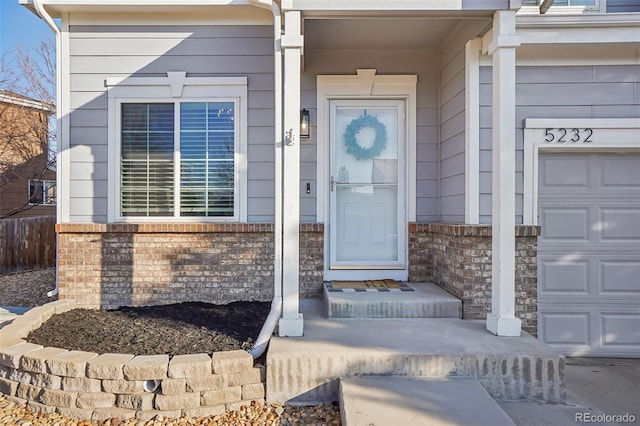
19, 26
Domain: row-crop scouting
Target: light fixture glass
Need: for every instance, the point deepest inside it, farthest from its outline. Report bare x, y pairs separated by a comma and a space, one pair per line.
305, 123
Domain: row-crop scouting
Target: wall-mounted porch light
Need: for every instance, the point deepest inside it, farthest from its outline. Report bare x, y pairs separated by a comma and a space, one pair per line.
305, 123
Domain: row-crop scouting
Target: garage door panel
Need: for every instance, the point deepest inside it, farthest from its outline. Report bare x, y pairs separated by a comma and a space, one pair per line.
620, 224
619, 277
589, 253
565, 328
620, 329
563, 276
558, 174
565, 224
620, 172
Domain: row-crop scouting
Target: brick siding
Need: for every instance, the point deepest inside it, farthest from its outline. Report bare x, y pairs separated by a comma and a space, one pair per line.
111, 265
458, 259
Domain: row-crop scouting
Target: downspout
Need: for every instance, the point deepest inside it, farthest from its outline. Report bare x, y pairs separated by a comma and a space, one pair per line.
545, 5
44, 15
276, 304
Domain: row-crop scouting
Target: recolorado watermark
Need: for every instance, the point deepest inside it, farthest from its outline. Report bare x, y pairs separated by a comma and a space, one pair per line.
604, 418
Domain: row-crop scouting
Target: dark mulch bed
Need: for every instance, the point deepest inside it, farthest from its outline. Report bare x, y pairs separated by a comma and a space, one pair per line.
183, 328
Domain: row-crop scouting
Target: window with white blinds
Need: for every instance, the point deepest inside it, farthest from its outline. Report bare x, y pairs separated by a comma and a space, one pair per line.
177, 159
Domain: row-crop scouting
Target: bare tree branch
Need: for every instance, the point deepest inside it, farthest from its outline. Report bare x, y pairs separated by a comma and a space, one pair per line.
27, 84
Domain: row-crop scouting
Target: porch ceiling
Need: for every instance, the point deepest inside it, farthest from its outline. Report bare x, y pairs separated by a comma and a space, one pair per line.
378, 33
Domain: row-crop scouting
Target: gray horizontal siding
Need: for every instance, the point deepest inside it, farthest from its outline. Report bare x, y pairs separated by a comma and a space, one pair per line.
100, 52
548, 92
452, 135
425, 66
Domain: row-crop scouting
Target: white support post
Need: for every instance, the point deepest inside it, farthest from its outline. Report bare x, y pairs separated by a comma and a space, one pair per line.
502, 320
291, 323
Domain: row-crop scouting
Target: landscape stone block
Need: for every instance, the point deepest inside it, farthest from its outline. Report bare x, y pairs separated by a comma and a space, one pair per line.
95, 400
206, 383
57, 398
32, 321
173, 386
122, 386
61, 306
139, 401
156, 414
70, 364
108, 366
231, 361
36, 407
7, 342
8, 387
21, 402
81, 384
10, 357
147, 367
16, 329
178, 402
246, 377
222, 396
215, 410
43, 312
75, 412
46, 380
236, 406
253, 391
113, 412
21, 376
35, 361
193, 365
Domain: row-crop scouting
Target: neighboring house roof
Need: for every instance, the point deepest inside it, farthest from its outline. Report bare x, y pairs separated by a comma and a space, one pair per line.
17, 99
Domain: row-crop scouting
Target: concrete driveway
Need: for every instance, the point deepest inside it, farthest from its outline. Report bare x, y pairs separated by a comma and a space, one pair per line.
595, 387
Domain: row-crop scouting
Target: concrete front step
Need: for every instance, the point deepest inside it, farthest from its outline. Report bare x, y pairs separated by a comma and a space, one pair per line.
389, 400
307, 369
427, 300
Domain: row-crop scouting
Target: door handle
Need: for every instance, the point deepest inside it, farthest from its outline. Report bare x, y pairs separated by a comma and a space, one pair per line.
332, 183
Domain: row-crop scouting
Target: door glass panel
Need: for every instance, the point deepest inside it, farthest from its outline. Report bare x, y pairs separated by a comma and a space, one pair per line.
366, 185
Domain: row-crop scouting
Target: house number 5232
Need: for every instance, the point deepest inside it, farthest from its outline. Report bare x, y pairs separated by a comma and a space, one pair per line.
568, 135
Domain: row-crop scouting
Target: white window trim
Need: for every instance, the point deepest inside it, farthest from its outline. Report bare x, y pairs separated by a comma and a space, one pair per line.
600, 6
176, 87
616, 134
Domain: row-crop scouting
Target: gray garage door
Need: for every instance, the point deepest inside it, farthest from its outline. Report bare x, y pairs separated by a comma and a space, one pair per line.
589, 253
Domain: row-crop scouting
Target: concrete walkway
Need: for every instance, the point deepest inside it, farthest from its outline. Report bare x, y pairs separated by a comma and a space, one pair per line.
367, 401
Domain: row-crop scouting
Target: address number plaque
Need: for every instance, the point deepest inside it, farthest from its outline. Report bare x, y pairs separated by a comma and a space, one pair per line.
566, 135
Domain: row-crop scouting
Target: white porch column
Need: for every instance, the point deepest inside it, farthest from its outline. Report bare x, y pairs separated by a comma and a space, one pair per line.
292, 41
502, 320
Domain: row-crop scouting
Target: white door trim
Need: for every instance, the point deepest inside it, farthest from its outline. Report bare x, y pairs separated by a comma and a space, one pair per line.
608, 134
399, 106
365, 84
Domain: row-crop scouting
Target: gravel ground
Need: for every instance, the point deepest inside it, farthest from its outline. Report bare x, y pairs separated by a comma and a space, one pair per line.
12, 413
29, 288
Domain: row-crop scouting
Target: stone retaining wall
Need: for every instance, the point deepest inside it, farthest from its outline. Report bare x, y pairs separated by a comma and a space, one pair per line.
102, 386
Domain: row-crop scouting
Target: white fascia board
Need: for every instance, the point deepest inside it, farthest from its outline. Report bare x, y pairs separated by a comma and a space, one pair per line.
25, 102
580, 35
57, 7
579, 29
376, 5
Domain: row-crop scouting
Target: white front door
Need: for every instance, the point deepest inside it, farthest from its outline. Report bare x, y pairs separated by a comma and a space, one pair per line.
367, 229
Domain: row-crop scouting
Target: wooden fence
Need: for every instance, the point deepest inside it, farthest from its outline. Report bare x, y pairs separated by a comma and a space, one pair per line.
27, 243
